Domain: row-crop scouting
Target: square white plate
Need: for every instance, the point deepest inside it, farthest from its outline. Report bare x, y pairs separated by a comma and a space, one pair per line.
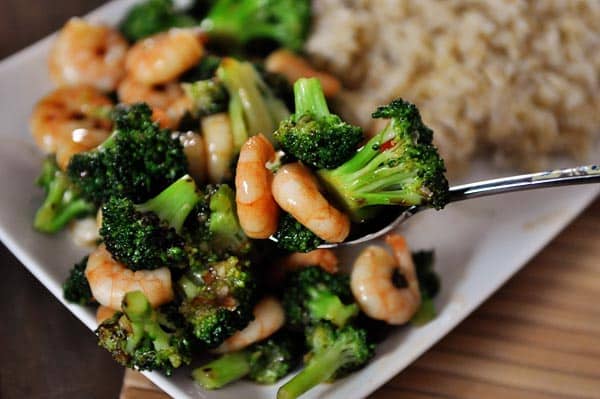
478, 244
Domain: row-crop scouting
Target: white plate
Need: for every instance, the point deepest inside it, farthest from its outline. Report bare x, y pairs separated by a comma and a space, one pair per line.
479, 244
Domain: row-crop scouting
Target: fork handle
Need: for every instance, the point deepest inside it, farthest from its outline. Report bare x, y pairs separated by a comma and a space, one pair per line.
553, 178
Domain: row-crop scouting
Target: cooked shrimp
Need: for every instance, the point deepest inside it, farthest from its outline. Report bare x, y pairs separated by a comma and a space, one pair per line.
70, 120
163, 57
104, 313
296, 190
257, 211
110, 281
324, 258
195, 153
168, 101
218, 141
268, 318
294, 67
84, 53
373, 282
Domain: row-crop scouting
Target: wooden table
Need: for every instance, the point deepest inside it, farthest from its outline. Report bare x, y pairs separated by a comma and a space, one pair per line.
538, 337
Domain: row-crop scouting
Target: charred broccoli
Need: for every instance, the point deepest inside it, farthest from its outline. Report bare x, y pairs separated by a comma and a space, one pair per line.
142, 338
137, 161
313, 134
146, 236
76, 288
265, 362
398, 166
63, 201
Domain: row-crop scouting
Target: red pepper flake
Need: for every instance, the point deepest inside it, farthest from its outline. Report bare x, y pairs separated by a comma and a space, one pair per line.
387, 145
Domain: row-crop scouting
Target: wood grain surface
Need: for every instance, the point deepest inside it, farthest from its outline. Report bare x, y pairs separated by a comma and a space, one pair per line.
538, 337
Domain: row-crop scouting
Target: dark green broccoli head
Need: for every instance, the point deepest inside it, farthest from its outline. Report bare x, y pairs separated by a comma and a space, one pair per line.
218, 298
398, 166
152, 16
292, 236
204, 70
208, 97
63, 201
313, 134
265, 362
311, 294
236, 23
145, 236
137, 339
334, 353
137, 161
76, 288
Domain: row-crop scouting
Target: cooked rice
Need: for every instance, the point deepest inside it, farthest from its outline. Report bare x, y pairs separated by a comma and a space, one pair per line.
521, 78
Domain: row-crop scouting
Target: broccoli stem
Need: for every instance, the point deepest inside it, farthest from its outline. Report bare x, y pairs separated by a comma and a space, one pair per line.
60, 207
309, 98
227, 368
321, 367
174, 204
327, 306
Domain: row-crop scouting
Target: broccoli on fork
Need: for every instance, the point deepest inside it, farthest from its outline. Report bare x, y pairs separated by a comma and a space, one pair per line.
146, 236
398, 166
142, 338
63, 201
313, 134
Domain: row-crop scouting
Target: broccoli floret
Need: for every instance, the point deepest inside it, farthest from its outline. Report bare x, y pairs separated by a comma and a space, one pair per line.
76, 288
207, 96
205, 69
311, 295
146, 236
334, 353
253, 108
237, 23
292, 236
226, 234
398, 166
153, 16
429, 284
218, 298
313, 134
142, 338
265, 362
137, 161
63, 201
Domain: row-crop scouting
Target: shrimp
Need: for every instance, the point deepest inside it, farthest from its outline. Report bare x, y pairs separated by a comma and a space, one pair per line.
268, 318
218, 140
257, 211
373, 285
89, 54
296, 190
104, 313
161, 58
195, 153
168, 101
294, 67
110, 281
324, 258
70, 120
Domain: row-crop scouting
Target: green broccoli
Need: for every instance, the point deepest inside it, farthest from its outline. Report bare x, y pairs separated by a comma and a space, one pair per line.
205, 69
137, 161
313, 134
292, 236
236, 23
398, 166
76, 288
63, 201
429, 284
152, 16
142, 338
253, 108
146, 236
335, 352
207, 96
265, 362
226, 234
218, 298
311, 295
